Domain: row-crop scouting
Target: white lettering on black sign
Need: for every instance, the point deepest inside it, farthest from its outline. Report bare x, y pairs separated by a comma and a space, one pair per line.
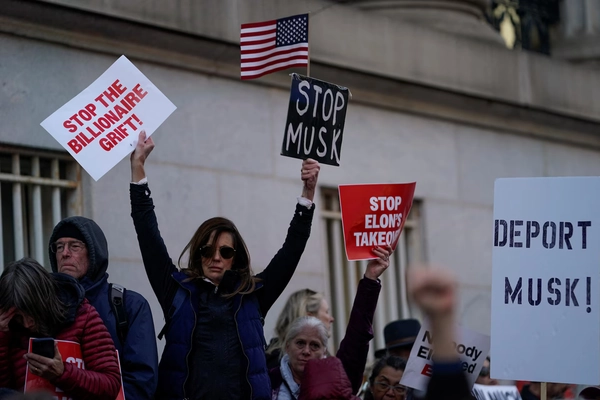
315, 121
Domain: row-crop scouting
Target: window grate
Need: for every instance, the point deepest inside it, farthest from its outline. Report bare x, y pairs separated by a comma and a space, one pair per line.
37, 190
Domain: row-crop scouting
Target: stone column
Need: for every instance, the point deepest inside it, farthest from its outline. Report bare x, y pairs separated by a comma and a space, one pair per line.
456, 17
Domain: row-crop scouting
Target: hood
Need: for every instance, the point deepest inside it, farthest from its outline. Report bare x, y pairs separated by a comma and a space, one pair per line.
70, 292
95, 242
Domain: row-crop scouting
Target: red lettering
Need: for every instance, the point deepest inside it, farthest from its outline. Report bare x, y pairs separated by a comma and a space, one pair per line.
126, 104
70, 126
120, 111
85, 115
123, 132
118, 87
101, 129
104, 122
101, 100
92, 132
427, 370
111, 117
106, 144
139, 91
75, 146
91, 108
74, 117
85, 138
131, 125
137, 119
132, 98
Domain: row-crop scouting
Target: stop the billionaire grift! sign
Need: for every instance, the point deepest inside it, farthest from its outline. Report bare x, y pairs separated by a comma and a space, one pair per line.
546, 267
373, 215
101, 124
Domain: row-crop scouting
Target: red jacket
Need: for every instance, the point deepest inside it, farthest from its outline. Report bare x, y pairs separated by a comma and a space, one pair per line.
325, 379
100, 379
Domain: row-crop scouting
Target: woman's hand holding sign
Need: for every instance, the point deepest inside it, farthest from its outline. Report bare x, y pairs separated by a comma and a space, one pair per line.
138, 158
47, 368
377, 266
310, 175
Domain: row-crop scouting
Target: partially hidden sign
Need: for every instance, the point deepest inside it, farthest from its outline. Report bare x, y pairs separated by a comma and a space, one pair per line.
100, 125
71, 353
373, 215
496, 392
471, 347
315, 120
545, 280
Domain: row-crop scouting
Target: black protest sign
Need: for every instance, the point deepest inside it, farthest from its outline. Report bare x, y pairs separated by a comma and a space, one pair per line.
315, 121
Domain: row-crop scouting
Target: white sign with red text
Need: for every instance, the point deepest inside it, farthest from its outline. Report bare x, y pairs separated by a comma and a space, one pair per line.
472, 348
101, 124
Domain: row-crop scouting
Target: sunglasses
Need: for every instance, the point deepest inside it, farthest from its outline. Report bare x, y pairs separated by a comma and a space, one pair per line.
226, 252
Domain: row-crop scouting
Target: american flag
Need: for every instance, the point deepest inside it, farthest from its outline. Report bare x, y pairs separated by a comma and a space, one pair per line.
274, 45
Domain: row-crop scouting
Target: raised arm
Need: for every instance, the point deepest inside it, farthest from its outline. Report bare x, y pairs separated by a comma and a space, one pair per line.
434, 292
354, 348
157, 262
283, 265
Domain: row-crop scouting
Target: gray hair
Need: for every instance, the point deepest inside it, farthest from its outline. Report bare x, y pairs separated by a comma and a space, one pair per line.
306, 322
299, 304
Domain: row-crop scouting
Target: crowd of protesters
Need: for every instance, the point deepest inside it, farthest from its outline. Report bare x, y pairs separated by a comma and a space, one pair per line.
214, 309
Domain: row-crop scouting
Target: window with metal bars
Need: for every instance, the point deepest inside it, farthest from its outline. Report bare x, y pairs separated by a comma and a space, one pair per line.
344, 275
37, 190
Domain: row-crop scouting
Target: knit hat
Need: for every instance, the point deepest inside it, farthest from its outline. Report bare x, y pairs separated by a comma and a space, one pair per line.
70, 231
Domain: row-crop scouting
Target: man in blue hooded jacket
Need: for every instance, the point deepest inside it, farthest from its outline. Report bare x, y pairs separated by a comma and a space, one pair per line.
78, 248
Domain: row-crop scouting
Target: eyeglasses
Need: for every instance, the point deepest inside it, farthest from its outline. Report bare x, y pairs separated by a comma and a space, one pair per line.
74, 247
485, 371
301, 344
226, 252
384, 387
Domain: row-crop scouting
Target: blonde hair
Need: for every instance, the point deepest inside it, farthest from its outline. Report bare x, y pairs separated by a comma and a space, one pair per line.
300, 304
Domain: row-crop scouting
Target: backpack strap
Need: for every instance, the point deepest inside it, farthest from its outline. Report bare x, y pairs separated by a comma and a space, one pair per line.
117, 303
175, 306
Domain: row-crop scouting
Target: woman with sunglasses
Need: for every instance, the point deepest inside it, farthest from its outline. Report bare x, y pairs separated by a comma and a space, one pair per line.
215, 308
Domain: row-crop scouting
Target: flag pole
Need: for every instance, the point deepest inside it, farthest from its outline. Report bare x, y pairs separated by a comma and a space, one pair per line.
308, 41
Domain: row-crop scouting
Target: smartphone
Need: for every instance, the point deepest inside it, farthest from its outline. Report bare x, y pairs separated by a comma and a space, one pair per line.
43, 347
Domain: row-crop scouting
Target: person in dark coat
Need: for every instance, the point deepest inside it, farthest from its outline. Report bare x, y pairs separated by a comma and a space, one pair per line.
34, 303
79, 248
325, 379
215, 308
384, 382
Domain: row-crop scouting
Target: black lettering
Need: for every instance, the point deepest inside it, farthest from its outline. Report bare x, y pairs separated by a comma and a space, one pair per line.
538, 300
549, 245
515, 233
508, 291
564, 235
500, 242
554, 291
570, 292
531, 233
584, 225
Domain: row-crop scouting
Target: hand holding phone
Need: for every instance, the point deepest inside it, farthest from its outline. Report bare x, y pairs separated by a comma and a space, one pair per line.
43, 347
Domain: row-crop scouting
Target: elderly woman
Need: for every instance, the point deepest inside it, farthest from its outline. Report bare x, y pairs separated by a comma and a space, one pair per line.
384, 382
215, 308
306, 340
34, 303
354, 348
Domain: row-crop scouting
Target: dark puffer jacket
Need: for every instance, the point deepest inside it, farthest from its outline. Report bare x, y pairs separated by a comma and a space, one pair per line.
100, 379
177, 297
137, 351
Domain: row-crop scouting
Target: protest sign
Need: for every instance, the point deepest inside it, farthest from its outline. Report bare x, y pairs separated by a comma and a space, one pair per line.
315, 120
546, 249
373, 215
71, 353
496, 392
472, 348
101, 124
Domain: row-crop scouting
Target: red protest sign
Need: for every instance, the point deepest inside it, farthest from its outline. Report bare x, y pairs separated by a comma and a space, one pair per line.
373, 215
71, 353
